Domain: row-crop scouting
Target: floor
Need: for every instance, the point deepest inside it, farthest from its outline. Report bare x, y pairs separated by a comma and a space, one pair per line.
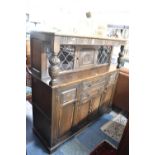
81, 144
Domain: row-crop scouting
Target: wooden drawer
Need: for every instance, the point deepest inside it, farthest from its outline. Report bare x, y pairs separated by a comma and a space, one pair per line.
88, 94
93, 87
68, 95
94, 83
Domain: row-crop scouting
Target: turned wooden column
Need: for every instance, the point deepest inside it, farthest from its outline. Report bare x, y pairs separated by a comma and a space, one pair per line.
54, 63
120, 57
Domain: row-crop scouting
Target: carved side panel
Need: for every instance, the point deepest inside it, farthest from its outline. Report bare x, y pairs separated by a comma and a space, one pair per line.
41, 44
35, 56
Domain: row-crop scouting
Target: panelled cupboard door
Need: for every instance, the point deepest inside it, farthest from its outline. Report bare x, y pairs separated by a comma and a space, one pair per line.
108, 96
85, 56
95, 102
67, 100
82, 112
66, 115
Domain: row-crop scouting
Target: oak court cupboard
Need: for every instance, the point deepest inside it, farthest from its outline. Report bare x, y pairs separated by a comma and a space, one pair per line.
73, 83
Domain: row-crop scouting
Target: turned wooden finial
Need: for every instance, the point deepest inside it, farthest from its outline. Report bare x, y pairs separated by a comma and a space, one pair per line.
54, 63
120, 57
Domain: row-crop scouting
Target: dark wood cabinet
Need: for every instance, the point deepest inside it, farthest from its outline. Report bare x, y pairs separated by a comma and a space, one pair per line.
60, 111
71, 91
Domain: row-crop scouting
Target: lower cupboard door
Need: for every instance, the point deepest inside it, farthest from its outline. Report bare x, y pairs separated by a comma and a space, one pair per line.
95, 105
66, 115
82, 112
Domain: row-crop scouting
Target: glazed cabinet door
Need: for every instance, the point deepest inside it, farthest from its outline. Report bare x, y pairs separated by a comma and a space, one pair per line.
65, 111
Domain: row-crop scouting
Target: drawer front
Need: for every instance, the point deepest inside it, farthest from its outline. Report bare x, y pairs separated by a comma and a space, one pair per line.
94, 83
68, 95
90, 93
93, 87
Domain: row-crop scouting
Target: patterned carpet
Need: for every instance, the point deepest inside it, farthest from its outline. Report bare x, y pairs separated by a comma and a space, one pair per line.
81, 144
115, 127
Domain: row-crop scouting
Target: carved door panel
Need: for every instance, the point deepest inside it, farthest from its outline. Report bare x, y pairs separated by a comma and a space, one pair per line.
82, 112
106, 98
95, 102
66, 115
67, 100
85, 57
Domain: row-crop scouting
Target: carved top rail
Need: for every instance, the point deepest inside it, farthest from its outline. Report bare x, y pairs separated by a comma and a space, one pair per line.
81, 40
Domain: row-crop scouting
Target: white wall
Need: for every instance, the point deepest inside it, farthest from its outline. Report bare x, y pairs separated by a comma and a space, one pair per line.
68, 16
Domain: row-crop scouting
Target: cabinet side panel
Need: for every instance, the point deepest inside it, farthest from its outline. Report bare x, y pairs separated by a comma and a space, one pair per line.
121, 95
42, 96
36, 55
41, 44
42, 125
